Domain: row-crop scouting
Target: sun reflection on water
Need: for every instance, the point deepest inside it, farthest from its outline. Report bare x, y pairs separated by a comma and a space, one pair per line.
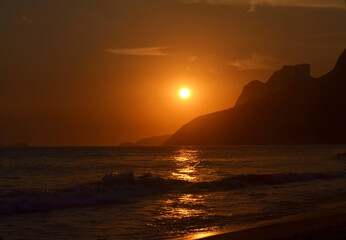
183, 206
186, 162
203, 234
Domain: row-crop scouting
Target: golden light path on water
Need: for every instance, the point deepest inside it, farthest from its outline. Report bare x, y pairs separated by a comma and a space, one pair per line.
186, 205
186, 162
175, 209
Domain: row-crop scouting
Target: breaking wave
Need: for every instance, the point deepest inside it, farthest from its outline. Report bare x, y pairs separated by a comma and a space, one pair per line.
340, 156
123, 188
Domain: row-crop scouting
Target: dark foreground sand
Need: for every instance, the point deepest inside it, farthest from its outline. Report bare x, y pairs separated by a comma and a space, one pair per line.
328, 223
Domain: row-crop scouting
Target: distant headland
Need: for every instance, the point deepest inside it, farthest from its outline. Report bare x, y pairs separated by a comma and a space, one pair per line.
290, 108
16, 145
150, 141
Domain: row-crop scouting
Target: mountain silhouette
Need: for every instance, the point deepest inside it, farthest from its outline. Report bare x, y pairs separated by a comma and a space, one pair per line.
280, 79
290, 108
150, 141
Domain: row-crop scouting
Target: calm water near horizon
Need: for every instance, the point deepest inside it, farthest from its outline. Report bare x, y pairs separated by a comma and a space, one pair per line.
159, 192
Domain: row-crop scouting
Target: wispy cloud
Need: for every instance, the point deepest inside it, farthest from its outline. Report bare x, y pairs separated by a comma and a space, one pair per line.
255, 62
191, 58
26, 19
328, 34
150, 51
277, 3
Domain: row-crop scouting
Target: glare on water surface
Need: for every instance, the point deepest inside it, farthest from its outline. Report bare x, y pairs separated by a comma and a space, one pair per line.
186, 162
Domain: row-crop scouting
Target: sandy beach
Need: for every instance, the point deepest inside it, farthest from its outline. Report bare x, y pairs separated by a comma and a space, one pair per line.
326, 223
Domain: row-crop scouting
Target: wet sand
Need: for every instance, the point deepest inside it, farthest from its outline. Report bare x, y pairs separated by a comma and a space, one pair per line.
326, 223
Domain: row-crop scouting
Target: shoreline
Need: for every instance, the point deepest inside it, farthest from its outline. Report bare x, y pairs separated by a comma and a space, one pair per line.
328, 222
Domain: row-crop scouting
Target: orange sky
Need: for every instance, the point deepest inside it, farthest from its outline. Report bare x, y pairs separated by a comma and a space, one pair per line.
103, 72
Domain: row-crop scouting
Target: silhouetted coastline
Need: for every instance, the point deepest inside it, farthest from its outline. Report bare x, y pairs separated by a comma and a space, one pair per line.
291, 108
150, 141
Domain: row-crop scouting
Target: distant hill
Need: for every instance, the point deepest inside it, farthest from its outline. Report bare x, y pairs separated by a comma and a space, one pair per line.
288, 75
290, 108
150, 141
124, 144
19, 145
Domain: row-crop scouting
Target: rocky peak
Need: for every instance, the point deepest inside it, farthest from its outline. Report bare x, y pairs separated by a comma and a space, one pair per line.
253, 90
340, 67
286, 76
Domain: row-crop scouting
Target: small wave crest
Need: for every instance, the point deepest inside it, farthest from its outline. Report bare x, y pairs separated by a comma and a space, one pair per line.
340, 156
116, 188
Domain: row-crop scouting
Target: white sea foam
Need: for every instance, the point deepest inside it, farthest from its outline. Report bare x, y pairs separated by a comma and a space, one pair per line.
123, 188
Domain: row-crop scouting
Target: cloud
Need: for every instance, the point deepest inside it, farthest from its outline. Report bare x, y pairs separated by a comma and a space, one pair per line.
277, 3
150, 51
252, 7
255, 62
26, 19
191, 58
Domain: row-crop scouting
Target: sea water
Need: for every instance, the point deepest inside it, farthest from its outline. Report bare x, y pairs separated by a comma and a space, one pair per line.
160, 192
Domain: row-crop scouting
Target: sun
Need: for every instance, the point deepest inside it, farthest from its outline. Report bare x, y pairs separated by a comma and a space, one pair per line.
184, 93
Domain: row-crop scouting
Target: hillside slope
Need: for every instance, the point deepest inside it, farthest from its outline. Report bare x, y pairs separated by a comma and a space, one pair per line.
294, 108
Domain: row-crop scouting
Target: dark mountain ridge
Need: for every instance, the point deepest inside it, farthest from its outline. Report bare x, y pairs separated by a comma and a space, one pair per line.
291, 108
149, 141
288, 75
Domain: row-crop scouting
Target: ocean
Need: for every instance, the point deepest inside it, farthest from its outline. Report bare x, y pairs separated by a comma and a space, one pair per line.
160, 192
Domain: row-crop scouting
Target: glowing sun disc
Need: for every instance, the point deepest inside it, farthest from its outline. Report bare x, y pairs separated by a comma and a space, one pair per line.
184, 93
